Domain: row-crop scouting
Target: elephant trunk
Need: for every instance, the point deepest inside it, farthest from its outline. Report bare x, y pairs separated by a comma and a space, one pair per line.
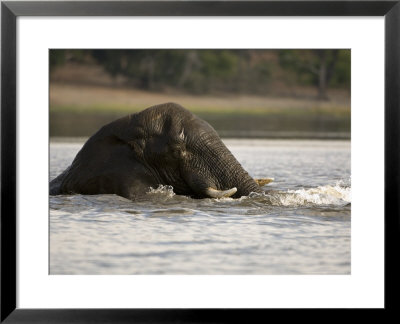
215, 172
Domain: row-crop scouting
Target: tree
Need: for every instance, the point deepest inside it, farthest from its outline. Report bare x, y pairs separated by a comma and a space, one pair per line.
317, 67
201, 71
324, 70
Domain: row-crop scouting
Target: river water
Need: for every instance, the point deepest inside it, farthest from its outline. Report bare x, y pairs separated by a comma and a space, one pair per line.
302, 225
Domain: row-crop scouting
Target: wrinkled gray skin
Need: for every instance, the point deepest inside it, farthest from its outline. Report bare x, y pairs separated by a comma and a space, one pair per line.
164, 144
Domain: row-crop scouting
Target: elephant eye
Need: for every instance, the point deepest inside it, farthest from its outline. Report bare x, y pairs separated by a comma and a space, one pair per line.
182, 135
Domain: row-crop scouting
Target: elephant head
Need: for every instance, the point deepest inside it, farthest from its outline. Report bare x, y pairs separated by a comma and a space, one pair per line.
164, 144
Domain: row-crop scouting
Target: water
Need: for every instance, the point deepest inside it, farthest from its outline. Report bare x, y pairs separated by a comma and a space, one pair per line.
300, 226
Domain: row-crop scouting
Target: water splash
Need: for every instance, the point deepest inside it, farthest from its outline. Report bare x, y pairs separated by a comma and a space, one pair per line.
333, 195
328, 195
162, 191
336, 195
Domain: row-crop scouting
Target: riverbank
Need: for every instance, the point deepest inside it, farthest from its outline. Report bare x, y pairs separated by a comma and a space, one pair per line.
80, 109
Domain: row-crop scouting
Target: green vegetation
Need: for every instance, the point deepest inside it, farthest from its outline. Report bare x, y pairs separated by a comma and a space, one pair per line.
241, 93
192, 71
321, 68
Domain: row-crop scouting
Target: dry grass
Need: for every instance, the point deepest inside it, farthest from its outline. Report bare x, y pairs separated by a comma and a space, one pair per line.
96, 98
88, 88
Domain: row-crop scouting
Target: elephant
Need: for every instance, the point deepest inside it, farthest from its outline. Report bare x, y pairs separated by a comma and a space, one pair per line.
165, 144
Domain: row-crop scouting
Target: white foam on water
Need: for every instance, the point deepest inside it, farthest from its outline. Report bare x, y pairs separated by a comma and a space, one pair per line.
323, 195
336, 195
165, 191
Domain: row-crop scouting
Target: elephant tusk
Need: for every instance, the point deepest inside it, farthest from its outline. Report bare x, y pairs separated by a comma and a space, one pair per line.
263, 181
214, 193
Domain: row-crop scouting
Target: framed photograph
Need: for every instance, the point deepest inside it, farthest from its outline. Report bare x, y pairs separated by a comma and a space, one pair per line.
196, 161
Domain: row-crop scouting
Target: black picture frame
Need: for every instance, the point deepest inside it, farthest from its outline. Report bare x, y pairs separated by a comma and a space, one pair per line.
10, 10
